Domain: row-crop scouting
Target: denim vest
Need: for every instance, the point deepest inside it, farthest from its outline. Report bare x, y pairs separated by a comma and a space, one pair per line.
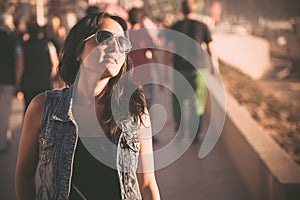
57, 144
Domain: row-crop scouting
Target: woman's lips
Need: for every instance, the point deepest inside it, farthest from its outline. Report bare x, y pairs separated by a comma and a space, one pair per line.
113, 58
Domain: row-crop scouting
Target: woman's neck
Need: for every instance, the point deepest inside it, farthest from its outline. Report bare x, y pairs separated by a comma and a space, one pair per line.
100, 87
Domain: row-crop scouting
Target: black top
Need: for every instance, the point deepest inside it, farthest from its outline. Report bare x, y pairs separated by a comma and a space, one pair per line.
93, 179
196, 30
7, 58
37, 64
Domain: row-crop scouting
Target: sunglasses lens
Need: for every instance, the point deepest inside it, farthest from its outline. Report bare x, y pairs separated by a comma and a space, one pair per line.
124, 43
104, 37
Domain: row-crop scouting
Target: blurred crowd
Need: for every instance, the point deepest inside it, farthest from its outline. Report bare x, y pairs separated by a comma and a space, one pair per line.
30, 52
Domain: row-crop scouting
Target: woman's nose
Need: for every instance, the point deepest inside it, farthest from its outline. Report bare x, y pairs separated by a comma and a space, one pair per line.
115, 44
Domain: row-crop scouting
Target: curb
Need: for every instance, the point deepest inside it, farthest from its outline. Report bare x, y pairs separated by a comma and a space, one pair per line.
265, 168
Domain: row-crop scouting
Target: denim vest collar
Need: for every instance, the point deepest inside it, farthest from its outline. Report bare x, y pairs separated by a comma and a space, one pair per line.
63, 111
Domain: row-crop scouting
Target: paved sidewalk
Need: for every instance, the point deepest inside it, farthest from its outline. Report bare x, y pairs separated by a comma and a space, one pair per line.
211, 178
8, 159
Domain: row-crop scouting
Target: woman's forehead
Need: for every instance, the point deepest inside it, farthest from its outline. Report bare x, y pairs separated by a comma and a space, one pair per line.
112, 26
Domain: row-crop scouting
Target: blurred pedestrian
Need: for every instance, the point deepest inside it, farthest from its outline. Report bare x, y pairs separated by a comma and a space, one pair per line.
215, 11
40, 62
193, 74
145, 57
7, 76
142, 55
95, 52
56, 33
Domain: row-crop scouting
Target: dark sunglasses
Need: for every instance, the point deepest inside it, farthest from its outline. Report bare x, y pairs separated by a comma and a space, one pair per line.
105, 37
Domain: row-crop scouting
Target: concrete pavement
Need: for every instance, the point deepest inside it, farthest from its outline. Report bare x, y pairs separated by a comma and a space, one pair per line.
8, 159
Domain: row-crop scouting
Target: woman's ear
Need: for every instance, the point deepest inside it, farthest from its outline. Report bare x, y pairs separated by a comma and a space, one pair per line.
78, 59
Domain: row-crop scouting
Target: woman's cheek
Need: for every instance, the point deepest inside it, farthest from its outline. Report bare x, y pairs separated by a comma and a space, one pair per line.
122, 60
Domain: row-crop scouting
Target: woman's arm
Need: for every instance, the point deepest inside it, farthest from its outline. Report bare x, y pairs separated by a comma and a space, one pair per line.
214, 58
146, 176
54, 59
28, 150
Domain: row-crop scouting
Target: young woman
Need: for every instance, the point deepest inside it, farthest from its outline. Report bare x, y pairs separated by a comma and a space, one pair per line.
54, 135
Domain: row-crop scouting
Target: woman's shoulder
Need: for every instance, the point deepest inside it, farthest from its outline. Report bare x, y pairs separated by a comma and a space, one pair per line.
145, 117
35, 108
38, 101
37, 104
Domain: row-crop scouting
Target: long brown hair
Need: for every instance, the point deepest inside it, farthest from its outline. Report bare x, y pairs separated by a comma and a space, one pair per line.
120, 91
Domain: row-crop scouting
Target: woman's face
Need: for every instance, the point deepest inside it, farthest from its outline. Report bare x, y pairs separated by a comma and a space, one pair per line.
109, 55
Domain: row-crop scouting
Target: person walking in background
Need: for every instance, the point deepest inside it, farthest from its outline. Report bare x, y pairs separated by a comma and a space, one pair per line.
146, 56
95, 66
142, 56
7, 75
56, 34
201, 34
40, 61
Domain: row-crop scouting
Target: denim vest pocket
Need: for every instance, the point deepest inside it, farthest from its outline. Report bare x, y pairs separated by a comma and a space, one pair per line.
46, 147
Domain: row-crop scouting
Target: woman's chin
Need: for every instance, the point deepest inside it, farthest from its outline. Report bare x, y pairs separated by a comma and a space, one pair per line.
111, 71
